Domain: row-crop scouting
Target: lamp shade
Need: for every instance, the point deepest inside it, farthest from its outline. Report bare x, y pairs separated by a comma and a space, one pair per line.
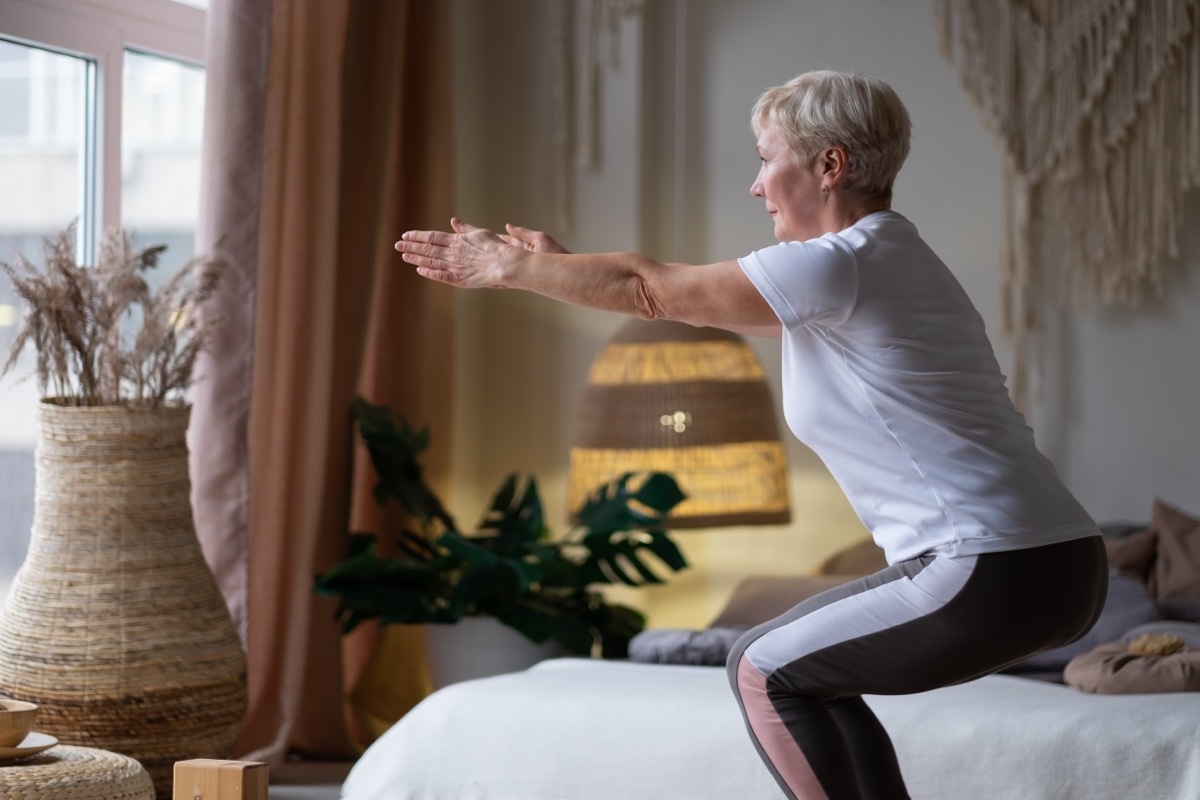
693, 402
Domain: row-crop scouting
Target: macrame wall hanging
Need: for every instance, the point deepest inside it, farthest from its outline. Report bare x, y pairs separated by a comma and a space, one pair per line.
1097, 106
578, 59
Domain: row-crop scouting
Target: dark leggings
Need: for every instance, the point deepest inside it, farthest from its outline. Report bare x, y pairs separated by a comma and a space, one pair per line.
915, 626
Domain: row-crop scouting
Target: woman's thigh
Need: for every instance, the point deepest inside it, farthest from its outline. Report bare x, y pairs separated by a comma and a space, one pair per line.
931, 622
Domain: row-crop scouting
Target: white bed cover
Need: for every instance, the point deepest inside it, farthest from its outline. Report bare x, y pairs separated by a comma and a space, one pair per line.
575, 729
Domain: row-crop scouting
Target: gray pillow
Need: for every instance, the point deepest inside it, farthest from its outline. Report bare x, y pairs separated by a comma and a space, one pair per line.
708, 647
1183, 609
1128, 605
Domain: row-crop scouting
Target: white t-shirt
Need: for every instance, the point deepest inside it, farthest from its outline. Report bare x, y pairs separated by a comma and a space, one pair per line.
888, 375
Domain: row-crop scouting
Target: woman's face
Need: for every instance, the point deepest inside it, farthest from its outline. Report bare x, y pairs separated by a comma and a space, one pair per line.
792, 191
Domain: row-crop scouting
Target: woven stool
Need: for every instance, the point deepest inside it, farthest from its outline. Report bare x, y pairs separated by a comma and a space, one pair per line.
75, 773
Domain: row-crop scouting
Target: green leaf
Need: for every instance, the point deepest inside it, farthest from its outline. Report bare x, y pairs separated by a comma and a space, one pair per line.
415, 546
609, 551
616, 625
361, 543
396, 589
515, 521
581, 621
549, 617
473, 552
611, 506
482, 588
394, 447
660, 492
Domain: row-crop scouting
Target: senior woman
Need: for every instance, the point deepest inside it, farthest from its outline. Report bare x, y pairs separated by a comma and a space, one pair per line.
889, 377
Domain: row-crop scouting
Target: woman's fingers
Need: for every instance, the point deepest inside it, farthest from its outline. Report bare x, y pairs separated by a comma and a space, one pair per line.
410, 240
469, 257
440, 238
434, 244
424, 245
523, 237
518, 236
537, 241
429, 252
460, 226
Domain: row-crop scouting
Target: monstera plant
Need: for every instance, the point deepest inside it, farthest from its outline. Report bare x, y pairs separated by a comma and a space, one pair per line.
510, 567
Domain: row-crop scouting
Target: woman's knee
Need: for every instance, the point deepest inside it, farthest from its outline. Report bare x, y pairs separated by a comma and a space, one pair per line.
735, 657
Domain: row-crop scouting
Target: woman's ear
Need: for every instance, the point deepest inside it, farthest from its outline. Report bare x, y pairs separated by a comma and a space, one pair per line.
834, 162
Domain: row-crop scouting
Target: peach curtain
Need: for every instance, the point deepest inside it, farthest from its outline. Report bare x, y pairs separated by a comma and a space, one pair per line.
328, 132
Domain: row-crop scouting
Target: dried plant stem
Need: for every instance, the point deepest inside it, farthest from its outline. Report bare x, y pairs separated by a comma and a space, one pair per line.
73, 316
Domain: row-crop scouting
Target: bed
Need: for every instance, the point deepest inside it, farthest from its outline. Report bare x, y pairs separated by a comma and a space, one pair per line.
579, 729
574, 729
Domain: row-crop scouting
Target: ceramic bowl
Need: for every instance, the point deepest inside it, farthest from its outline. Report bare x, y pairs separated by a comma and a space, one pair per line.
16, 721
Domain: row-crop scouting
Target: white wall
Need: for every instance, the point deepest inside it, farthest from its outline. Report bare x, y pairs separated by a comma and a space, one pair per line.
1116, 413
1120, 412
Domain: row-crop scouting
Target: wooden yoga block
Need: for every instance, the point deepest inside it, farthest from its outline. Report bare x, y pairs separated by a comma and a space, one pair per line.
214, 779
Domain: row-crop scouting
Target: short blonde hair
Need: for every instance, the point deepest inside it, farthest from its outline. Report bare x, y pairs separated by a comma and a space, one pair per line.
858, 112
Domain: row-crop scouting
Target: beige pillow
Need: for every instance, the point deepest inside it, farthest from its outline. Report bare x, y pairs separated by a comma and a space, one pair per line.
765, 597
862, 558
1134, 555
1176, 572
1113, 669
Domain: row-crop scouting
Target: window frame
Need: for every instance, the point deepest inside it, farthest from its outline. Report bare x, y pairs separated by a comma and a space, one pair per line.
101, 31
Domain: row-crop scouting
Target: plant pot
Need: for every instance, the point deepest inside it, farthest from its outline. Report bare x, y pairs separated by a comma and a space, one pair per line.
479, 647
114, 624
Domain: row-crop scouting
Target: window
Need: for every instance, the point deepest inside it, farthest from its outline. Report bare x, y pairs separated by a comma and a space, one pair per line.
103, 112
161, 121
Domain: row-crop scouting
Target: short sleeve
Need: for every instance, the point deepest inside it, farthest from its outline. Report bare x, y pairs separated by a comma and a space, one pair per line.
806, 282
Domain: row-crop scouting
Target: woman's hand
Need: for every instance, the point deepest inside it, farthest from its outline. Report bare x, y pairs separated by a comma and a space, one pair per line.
534, 241
470, 257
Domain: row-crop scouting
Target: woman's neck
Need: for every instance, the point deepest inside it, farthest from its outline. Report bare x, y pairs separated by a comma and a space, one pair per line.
840, 213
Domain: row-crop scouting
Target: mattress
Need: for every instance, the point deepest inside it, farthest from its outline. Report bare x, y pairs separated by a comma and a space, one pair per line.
582, 729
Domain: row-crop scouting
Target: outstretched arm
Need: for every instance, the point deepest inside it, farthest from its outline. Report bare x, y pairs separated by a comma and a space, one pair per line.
717, 294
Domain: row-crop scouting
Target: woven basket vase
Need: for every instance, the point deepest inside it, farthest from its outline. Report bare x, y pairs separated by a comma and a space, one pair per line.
114, 624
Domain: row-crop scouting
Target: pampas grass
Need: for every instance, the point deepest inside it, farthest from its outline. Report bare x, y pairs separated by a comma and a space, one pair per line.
73, 316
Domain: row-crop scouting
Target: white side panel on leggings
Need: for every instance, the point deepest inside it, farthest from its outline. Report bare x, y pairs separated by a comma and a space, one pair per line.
871, 611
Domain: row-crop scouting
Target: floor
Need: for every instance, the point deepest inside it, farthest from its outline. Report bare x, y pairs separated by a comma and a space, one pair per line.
308, 780
316, 792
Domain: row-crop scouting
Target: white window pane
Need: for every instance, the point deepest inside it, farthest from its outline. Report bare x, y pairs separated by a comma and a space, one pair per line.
162, 121
42, 163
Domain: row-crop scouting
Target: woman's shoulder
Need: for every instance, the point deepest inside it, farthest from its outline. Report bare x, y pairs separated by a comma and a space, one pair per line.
824, 255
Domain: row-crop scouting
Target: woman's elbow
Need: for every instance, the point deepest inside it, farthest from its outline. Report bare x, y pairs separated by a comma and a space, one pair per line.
646, 302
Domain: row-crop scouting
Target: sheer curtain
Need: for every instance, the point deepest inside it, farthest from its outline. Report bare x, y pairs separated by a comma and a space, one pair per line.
327, 133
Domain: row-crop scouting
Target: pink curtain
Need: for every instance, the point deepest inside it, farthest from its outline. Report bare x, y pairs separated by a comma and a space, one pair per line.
312, 166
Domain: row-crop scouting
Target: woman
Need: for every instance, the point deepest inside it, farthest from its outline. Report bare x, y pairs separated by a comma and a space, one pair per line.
888, 375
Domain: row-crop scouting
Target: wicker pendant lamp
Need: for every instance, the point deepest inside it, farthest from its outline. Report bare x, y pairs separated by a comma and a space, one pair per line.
693, 402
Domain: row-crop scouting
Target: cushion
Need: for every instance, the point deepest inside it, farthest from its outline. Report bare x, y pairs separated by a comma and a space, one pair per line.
1119, 529
765, 597
1127, 605
1133, 554
1177, 563
1112, 669
681, 646
1189, 632
1184, 609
